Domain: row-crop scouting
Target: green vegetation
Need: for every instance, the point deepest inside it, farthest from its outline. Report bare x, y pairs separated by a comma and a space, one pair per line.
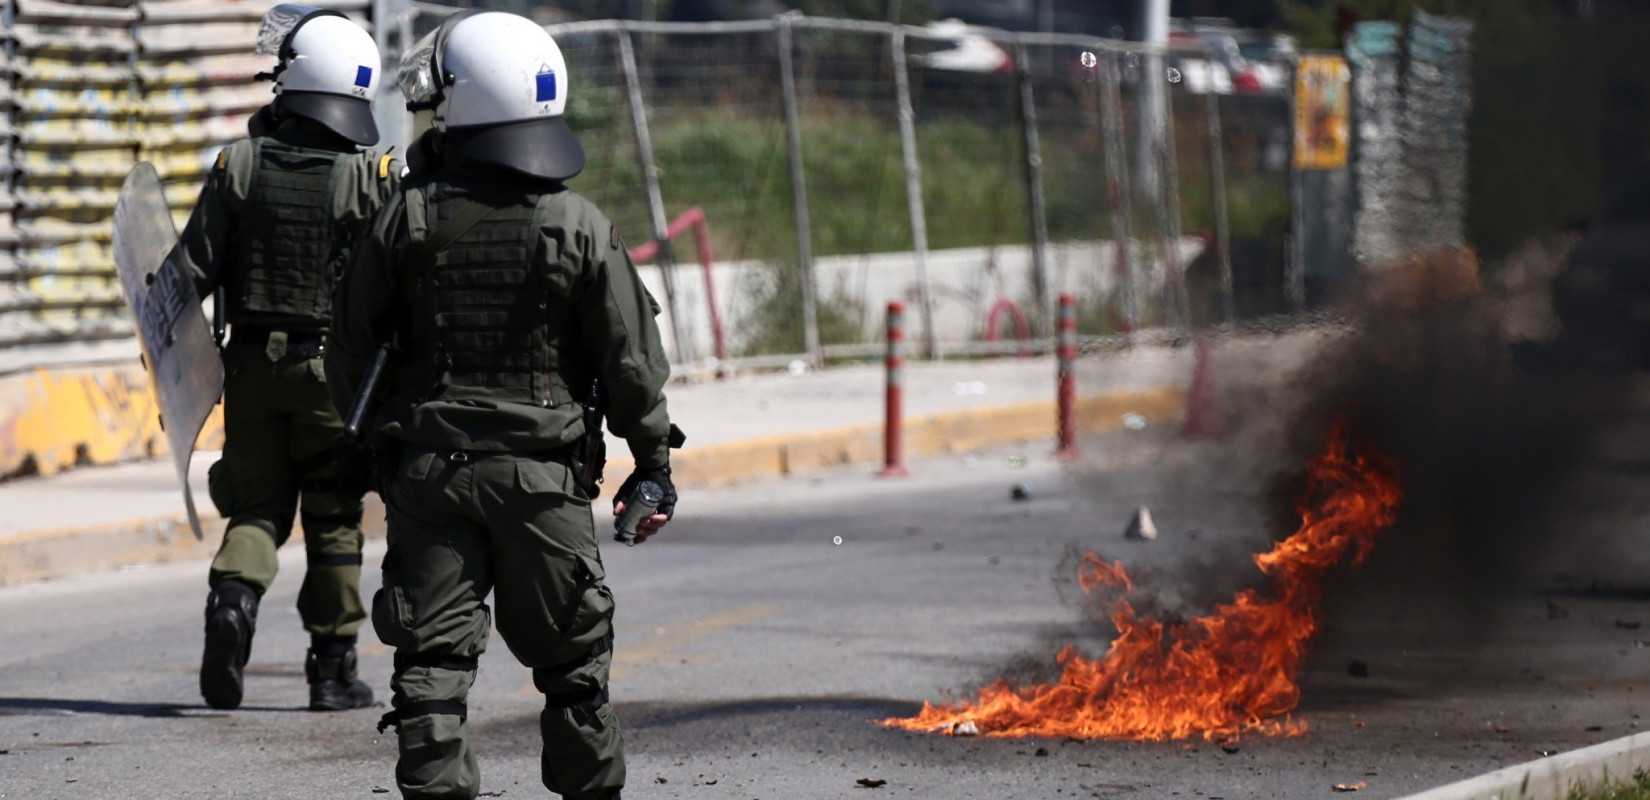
973, 189
1636, 789
736, 167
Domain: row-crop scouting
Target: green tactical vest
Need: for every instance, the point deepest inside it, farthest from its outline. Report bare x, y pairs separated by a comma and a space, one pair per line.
485, 322
289, 248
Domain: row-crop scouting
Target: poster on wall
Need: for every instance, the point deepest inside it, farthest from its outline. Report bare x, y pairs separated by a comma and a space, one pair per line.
1323, 112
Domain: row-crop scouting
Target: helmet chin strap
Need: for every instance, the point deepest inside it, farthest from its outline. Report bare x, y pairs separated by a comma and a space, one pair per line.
272, 74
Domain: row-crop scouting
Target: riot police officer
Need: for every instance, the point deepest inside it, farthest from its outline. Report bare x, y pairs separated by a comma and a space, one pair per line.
507, 296
274, 225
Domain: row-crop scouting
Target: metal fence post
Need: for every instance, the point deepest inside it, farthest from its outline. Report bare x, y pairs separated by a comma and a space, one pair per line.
1223, 236
1169, 209
913, 192
655, 199
1117, 189
1040, 278
799, 196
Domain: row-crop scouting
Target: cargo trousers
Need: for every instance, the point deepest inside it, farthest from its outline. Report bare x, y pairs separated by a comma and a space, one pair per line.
280, 428
463, 524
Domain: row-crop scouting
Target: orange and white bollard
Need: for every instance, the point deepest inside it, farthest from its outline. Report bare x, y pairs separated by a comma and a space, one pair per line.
1066, 378
893, 436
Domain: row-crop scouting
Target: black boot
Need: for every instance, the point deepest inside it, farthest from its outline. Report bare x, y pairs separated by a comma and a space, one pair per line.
331, 669
231, 618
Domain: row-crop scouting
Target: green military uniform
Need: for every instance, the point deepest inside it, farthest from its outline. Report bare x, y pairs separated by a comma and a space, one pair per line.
500, 332
274, 224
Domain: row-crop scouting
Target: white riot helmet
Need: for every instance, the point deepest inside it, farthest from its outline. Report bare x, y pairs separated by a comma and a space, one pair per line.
498, 85
328, 70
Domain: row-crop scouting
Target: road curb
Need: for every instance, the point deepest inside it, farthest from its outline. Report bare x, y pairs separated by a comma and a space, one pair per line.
1553, 777
56, 553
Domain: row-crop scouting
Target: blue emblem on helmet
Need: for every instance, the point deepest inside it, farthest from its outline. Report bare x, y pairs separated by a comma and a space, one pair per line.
546, 86
363, 77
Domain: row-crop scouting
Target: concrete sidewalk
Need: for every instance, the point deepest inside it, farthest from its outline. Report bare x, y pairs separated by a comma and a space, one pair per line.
99, 518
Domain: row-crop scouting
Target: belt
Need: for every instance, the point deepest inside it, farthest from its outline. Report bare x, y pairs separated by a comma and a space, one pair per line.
301, 343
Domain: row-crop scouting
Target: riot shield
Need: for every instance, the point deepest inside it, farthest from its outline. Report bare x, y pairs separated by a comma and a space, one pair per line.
178, 349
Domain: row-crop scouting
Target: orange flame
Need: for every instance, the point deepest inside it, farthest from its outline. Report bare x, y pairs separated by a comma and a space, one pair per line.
1216, 676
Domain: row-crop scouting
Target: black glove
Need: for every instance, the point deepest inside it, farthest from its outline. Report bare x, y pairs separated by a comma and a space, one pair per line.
660, 476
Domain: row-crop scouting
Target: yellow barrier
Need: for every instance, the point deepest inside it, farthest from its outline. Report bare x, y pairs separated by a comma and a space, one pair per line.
51, 420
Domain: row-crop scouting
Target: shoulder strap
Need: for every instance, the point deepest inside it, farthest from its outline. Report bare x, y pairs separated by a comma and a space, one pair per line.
443, 237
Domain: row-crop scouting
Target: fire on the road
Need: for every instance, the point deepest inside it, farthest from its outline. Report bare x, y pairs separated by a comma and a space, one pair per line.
1217, 676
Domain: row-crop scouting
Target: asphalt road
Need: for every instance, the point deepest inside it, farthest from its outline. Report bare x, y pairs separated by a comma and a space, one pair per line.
753, 648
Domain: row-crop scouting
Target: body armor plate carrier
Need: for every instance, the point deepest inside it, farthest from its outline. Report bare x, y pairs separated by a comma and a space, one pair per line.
488, 325
290, 249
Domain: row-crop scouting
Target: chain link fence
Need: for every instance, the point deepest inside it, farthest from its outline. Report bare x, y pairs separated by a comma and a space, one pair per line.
780, 180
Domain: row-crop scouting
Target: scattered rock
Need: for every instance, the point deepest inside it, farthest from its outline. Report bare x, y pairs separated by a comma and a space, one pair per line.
1357, 669
870, 783
1141, 525
1042, 752
660, 779
1021, 492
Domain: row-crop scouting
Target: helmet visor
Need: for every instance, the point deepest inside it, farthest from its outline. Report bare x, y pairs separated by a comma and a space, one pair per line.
279, 24
417, 75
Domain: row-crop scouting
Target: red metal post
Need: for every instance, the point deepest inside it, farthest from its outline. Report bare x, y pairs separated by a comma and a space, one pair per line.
701, 237
893, 462
1067, 379
1202, 413
694, 219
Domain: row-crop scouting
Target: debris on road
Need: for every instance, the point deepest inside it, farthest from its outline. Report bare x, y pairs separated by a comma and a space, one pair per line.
964, 728
1134, 422
1594, 728
380, 790
1229, 748
1627, 624
1141, 525
1357, 669
1502, 729
1042, 752
1556, 611
660, 779
1349, 787
870, 783
1546, 753
1021, 491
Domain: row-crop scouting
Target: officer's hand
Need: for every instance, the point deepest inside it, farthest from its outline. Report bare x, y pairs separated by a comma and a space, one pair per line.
666, 509
646, 527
